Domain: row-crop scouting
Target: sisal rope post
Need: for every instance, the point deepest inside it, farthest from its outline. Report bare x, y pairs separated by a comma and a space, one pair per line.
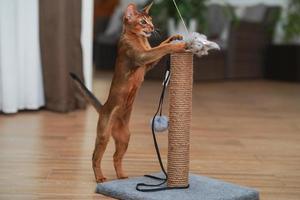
180, 112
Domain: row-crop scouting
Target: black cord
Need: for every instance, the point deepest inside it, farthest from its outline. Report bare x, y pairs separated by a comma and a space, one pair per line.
156, 187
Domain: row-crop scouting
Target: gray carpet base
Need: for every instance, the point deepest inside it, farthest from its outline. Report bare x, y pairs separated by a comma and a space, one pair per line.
201, 188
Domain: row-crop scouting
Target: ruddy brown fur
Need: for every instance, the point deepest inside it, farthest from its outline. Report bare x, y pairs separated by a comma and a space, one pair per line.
135, 58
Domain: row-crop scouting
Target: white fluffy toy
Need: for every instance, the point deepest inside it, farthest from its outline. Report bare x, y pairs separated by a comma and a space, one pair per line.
198, 44
161, 123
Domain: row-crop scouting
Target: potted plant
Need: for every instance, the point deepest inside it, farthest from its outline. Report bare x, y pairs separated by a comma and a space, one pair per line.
292, 24
192, 11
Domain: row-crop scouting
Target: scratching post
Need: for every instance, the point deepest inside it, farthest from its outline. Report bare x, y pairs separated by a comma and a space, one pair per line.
180, 112
179, 185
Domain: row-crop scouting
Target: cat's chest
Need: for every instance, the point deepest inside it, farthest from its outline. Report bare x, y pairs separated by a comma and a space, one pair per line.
134, 82
136, 77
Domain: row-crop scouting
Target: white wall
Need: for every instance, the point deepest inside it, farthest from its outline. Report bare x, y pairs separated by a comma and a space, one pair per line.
87, 41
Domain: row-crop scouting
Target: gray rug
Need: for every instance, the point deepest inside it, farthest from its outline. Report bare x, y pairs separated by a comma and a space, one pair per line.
201, 188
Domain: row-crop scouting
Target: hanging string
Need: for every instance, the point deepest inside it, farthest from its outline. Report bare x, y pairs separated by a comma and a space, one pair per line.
155, 187
175, 4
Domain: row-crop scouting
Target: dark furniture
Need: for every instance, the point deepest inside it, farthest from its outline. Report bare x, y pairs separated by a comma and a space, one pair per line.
283, 62
242, 56
246, 45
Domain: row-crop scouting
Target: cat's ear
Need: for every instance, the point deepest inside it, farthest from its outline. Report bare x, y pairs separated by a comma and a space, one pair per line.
147, 8
130, 11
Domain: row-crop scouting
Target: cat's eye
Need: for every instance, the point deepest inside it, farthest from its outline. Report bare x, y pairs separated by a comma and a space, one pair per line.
143, 22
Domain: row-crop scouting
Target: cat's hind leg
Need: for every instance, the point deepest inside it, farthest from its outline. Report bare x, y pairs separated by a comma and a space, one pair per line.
121, 136
104, 128
103, 135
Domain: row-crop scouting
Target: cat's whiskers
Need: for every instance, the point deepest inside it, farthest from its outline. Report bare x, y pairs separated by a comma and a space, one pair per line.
156, 34
157, 30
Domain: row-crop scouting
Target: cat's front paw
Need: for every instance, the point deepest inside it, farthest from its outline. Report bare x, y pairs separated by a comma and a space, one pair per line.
176, 37
179, 47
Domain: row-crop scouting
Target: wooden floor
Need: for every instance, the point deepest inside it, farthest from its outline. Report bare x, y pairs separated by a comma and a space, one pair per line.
244, 132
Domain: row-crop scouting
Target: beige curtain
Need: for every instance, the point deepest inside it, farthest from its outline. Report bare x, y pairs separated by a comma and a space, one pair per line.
61, 53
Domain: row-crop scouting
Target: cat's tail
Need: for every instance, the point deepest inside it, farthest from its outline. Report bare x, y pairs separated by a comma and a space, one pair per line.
88, 95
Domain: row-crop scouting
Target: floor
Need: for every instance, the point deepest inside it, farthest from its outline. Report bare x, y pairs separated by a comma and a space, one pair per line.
244, 132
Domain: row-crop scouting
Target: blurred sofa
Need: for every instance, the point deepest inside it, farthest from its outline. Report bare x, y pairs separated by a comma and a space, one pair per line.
243, 43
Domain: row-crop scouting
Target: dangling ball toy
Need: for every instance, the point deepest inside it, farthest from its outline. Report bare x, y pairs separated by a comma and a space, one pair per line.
160, 123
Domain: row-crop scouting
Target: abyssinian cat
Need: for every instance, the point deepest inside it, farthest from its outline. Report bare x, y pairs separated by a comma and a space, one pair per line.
135, 58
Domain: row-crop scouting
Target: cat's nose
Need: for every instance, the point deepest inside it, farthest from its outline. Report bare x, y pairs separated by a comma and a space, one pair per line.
151, 28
